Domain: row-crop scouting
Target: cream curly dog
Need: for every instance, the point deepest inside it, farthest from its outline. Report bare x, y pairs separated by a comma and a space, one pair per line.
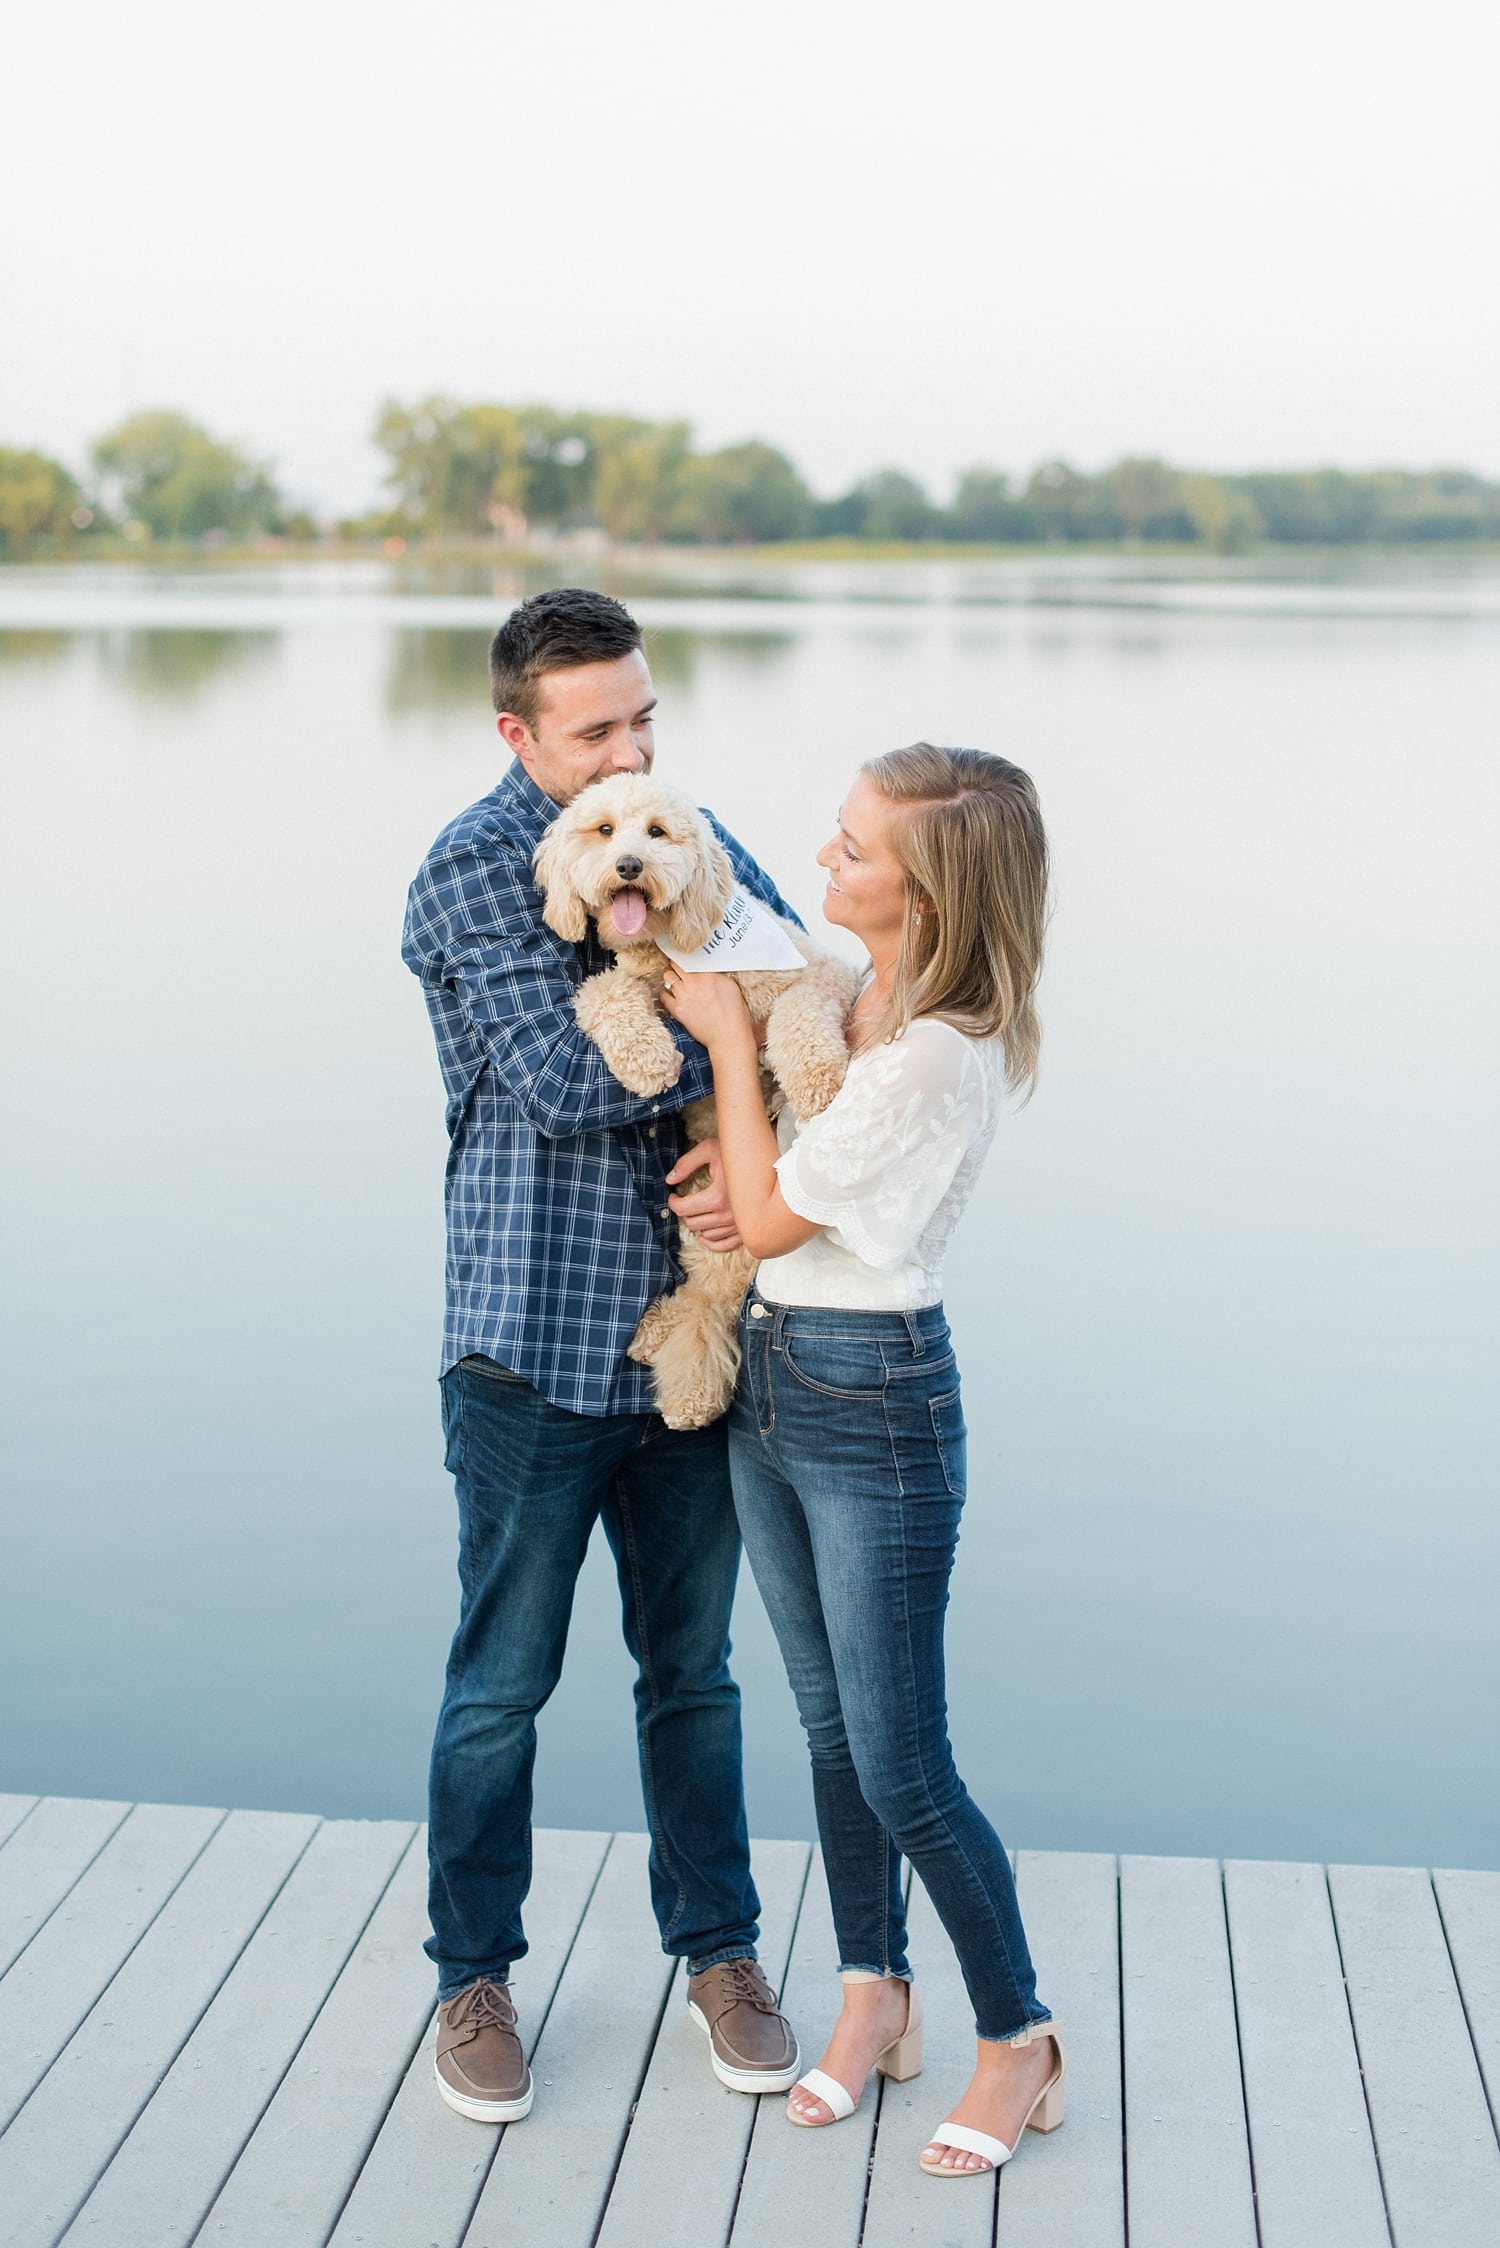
641, 862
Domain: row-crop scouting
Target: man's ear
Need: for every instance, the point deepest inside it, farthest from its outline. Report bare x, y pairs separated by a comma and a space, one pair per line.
563, 909
517, 736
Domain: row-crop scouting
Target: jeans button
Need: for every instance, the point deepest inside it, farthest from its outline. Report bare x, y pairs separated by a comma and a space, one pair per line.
757, 1311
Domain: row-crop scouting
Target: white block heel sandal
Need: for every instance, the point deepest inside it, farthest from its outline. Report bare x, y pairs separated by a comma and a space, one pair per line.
1044, 2114
900, 2061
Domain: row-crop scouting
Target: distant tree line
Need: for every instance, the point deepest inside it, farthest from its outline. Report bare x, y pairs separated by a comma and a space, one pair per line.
461, 472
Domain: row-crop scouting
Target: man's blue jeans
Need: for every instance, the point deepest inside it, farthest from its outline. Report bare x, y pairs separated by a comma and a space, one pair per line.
532, 1479
846, 1443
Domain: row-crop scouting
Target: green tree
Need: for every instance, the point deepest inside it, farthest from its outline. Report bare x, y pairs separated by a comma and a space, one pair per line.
1143, 500
638, 475
984, 507
742, 494
890, 505
171, 475
37, 499
454, 468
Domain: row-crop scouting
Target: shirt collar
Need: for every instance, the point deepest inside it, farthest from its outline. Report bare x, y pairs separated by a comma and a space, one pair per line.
528, 813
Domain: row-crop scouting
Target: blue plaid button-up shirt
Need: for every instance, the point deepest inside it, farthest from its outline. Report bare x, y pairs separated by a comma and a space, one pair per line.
559, 1233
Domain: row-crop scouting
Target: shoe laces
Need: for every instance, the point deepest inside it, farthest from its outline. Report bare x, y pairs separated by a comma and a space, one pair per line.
486, 2006
748, 1983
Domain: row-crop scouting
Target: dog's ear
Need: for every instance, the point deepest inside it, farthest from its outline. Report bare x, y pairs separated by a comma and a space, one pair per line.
710, 887
562, 908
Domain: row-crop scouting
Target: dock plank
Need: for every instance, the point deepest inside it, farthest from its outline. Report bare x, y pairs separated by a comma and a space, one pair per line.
658, 2200
1068, 2190
13, 1809
162, 2182
56, 1842
1188, 2156
551, 2178
820, 2174
1470, 1906
1439, 2161
1317, 2184
69, 2129
294, 2176
423, 2175
906, 2208
84, 1942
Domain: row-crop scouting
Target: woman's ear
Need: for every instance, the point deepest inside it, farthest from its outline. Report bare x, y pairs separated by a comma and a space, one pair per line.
562, 908
710, 887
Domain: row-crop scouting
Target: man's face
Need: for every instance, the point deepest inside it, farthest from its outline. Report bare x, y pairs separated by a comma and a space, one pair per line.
592, 720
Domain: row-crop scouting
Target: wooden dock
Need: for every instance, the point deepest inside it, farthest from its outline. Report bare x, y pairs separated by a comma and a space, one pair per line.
215, 2027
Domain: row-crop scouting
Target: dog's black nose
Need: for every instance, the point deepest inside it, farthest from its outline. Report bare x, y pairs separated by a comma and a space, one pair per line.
627, 869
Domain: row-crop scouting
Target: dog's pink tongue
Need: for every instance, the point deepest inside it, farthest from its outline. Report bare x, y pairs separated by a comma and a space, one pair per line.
627, 910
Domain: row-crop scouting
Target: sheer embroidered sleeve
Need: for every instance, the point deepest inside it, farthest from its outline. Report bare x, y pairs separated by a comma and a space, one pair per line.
876, 1164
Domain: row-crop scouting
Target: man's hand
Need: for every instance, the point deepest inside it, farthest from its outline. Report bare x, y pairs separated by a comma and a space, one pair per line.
706, 1213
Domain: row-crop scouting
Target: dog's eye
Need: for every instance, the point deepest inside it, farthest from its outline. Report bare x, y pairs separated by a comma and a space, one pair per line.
656, 830
605, 828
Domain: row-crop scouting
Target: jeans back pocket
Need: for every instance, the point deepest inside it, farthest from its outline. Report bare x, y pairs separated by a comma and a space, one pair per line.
952, 1439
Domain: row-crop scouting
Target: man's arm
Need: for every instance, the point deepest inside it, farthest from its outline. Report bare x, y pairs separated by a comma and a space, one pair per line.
750, 876
473, 928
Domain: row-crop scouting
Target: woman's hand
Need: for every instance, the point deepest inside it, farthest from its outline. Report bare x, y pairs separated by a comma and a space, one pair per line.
710, 1008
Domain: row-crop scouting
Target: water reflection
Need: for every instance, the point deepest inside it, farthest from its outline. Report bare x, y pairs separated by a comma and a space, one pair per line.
440, 668
19, 647
179, 665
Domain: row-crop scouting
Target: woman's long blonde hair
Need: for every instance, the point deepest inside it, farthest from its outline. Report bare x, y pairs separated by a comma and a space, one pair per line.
972, 846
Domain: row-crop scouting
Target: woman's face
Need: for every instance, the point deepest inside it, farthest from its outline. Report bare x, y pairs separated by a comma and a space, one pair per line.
866, 891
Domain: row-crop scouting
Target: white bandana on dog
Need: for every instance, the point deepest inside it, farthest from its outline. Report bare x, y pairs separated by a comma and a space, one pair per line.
748, 937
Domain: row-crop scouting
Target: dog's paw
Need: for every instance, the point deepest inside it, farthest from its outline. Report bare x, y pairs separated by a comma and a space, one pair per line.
654, 1327
811, 1083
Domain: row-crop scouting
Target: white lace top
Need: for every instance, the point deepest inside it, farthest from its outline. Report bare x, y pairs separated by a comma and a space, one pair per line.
886, 1171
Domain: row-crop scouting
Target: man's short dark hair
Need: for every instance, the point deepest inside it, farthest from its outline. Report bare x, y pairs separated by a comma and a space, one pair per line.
555, 631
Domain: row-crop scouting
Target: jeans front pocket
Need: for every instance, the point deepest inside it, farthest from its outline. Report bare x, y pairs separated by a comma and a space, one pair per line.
835, 1366
491, 1370
952, 1439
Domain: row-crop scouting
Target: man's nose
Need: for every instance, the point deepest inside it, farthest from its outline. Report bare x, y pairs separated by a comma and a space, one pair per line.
629, 758
627, 868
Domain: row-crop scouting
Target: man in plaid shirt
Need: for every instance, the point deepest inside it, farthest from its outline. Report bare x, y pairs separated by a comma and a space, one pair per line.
560, 1225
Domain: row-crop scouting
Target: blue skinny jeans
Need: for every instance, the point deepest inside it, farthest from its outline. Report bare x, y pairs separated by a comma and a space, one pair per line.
846, 1448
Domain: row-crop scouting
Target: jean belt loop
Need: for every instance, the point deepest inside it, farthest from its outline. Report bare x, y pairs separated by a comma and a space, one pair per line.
918, 1347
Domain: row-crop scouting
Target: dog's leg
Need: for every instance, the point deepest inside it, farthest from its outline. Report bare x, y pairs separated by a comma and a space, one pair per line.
697, 1359
805, 1034
617, 1009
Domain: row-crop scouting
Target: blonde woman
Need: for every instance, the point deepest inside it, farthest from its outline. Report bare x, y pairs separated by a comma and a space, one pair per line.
847, 1431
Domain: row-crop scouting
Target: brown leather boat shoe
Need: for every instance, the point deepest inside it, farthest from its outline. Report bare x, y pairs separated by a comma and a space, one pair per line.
481, 2069
751, 2044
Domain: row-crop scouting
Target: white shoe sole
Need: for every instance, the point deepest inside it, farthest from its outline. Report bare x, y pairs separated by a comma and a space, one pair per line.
748, 2079
484, 2111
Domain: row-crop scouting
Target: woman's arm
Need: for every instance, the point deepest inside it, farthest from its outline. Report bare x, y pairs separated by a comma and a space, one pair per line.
712, 1009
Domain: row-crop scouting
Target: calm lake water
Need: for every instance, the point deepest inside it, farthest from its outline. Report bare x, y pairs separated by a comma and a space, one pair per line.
1225, 1301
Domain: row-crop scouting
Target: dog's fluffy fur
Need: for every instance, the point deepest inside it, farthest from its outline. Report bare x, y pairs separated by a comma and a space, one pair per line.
628, 841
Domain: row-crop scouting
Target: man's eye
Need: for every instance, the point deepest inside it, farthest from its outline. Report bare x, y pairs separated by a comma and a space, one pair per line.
656, 831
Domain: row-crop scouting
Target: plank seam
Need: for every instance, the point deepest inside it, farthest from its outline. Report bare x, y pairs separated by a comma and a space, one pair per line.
1239, 2053
634, 2102
103, 1992
104, 1843
535, 2042
354, 1944
1468, 2019
170, 2063
36, 1801
1364, 2089
739, 2184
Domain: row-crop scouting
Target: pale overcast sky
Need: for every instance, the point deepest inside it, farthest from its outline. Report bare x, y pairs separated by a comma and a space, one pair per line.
924, 235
